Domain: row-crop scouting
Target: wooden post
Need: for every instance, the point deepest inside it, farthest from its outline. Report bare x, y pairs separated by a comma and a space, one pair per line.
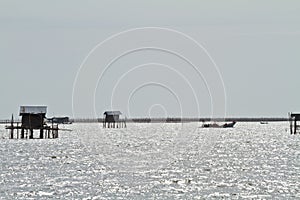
17, 130
56, 132
52, 128
22, 133
41, 133
31, 134
12, 127
11, 133
295, 125
291, 124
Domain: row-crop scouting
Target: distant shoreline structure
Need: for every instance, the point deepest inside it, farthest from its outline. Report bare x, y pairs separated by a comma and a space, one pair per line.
177, 120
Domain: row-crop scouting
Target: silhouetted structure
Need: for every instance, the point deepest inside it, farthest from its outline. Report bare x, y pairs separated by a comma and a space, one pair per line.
112, 120
294, 118
60, 120
33, 118
215, 125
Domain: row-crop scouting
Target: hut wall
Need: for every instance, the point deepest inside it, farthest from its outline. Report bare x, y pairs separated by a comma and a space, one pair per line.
112, 118
32, 121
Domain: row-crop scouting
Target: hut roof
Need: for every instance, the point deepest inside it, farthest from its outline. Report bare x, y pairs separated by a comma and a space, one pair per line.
33, 110
296, 115
112, 113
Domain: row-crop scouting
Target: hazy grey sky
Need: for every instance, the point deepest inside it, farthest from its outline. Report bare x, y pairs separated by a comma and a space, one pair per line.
255, 45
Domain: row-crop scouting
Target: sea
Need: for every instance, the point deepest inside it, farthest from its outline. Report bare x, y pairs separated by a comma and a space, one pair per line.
153, 161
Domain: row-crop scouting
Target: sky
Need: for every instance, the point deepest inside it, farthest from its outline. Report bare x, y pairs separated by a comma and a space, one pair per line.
184, 58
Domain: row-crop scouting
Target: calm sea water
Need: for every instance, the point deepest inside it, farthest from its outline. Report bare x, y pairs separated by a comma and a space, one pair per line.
154, 161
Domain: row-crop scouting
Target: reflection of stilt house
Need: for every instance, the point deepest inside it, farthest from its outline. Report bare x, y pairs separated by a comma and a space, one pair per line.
112, 120
294, 127
33, 118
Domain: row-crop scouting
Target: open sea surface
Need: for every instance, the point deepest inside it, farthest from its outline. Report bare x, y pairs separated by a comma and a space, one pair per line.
153, 161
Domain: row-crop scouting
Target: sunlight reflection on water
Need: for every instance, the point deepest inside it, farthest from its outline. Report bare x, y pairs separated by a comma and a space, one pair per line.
172, 161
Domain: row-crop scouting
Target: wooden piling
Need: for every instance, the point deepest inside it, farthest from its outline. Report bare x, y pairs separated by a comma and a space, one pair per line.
41, 133
295, 126
17, 130
31, 134
12, 127
293, 119
22, 133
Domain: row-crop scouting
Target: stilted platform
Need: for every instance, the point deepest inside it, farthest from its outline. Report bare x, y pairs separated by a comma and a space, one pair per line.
115, 124
33, 118
17, 131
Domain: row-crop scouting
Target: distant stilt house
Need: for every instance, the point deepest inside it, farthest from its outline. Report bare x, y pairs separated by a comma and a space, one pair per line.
111, 119
293, 119
33, 118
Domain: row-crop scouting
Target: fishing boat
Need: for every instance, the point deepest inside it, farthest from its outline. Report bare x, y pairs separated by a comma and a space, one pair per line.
263, 122
215, 125
229, 125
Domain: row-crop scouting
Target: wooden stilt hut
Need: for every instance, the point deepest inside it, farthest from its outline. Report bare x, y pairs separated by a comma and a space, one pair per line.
112, 119
33, 118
